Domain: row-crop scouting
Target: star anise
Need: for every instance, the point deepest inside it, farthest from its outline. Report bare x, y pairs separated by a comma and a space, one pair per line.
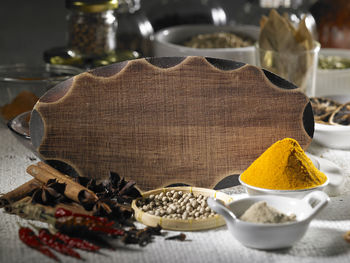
90, 184
113, 188
87, 200
117, 188
101, 208
50, 193
115, 196
112, 209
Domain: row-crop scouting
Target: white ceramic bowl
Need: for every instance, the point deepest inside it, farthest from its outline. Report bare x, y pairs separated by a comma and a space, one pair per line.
333, 81
252, 190
271, 236
332, 136
166, 42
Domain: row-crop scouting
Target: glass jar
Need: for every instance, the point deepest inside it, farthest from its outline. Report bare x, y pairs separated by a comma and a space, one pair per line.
251, 12
134, 28
92, 34
92, 29
333, 23
167, 13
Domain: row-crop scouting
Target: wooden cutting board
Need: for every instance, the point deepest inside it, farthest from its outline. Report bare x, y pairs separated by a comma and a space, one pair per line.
162, 121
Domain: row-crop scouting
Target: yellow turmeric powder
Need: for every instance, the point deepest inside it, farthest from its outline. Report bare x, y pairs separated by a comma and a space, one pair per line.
283, 166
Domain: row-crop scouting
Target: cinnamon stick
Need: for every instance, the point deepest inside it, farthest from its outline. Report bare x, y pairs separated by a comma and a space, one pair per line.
74, 191
19, 193
52, 170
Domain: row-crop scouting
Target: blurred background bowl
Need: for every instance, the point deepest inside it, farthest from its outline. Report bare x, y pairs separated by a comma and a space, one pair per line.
19, 126
168, 42
332, 136
333, 81
31, 81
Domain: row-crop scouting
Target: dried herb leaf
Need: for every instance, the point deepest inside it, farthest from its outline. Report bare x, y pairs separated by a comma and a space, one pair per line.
341, 116
323, 108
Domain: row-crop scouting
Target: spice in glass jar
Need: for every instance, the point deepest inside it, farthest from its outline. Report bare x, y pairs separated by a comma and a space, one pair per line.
92, 34
92, 27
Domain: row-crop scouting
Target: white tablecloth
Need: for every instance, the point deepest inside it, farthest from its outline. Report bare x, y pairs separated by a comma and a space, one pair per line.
323, 241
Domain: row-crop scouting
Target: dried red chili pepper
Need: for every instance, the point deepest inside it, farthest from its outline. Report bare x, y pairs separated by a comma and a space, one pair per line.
77, 221
61, 212
72, 224
29, 238
108, 230
77, 242
55, 243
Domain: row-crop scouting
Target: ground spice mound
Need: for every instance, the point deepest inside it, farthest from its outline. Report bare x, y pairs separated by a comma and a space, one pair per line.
261, 212
283, 166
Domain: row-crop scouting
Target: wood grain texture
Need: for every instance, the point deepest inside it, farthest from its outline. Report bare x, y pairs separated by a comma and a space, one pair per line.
189, 122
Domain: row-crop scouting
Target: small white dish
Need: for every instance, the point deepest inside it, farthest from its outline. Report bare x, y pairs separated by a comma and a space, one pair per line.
333, 81
332, 136
271, 236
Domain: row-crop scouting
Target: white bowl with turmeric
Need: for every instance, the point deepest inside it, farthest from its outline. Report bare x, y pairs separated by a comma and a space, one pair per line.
283, 169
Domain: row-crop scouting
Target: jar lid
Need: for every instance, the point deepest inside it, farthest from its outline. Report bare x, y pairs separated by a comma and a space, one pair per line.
92, 6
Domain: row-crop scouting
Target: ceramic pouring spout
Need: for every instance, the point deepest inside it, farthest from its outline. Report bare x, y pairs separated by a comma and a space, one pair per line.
317, 200
221, 209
